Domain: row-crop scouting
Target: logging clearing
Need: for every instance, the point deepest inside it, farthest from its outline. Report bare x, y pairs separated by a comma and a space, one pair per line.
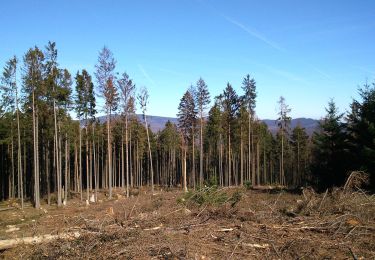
210, 223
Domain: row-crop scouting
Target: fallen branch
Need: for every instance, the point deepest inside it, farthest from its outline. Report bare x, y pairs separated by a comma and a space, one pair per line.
154, 228
10, 243
224, 230
321, 203
263, 246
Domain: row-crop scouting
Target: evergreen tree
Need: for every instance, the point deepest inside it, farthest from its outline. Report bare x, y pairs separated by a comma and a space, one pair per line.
106, 84
85, 109
10, 101
329, 167
33, 87
299, 141
361, 132
169, 142
202, 101
230, 103
283, 122
213, 136
249, 98
143, 102
127, 88
186, 121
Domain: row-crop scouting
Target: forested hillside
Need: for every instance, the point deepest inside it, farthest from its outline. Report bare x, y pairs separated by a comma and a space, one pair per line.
157, 123
215, 139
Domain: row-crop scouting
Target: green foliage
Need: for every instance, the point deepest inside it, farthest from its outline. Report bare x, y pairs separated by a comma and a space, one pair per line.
85, 98
169, 138
284, 119
187, 115
235, 198
8, 86
330, 159
210, 196
105, 77
230, 103
247, 185
249, 87
361, 132
212, 182
202, 96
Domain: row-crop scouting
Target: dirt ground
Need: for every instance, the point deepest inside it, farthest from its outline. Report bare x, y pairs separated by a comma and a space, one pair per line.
259, 224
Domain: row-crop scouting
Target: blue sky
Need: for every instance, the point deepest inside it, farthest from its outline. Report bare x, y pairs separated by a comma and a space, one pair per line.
307, 51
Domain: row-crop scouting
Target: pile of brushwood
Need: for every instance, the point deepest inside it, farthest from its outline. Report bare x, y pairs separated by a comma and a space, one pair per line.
210, 196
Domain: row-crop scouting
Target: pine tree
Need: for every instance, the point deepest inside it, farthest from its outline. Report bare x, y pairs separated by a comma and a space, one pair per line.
283, 122
361, 132
299, 141
186, 121
249, 87
242, 120
143, 102
230, 104
10, 100
85, 109
106, 84
213, 136
169, 141
329, 155
127, 88
202, 100
32, 82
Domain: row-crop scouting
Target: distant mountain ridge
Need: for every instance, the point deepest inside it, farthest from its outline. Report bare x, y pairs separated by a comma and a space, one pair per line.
157, 123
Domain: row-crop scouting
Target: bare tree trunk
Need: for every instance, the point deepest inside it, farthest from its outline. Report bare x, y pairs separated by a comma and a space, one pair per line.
60, 163
127, 155
122, 163
131, 161
66, 169
48, 175
75, 167
20, 178
264, 164
96, 165
12, 163
87, 165
80, 162
36, 173
184, 170
241, 159
282, 159
57, 163
201, 152
298, 161
249, 159
221, 162
258, 163
150, 154
109, 154
253, 177
193, 161
229, 181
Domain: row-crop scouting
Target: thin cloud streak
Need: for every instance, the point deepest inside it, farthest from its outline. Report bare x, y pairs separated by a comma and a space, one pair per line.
321, 73
172, 72
280, 72
288, 75
145, 74
254, 33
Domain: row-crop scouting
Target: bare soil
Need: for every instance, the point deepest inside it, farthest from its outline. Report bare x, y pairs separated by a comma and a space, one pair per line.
264, 224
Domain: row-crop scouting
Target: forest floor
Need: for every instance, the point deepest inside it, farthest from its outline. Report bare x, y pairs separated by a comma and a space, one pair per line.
247, 224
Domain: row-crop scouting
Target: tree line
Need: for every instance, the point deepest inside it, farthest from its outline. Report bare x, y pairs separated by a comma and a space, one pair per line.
46, 154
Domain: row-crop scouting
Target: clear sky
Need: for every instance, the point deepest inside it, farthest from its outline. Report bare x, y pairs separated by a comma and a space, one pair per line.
307, 51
